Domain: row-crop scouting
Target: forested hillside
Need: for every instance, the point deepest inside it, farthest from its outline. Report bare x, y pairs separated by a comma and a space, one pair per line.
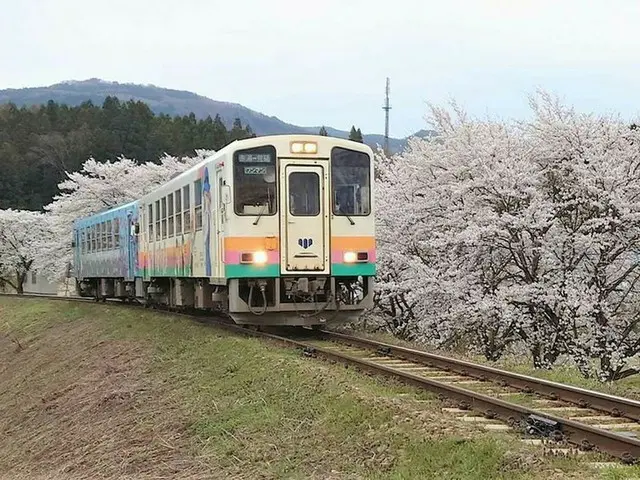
173, 102
38, 144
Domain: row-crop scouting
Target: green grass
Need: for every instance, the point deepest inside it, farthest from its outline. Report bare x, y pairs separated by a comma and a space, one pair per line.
257, 410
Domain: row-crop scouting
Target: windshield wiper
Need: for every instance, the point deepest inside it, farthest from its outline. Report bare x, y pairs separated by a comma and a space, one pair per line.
341, 210
255, 222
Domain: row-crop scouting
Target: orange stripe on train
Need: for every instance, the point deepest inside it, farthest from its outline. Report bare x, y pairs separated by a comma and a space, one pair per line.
251, 243
359, 243
273, 243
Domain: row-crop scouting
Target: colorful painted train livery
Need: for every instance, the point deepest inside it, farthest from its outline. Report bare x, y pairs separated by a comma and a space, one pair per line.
275, 230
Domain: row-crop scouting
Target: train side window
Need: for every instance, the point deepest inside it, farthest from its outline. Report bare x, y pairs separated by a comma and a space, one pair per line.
186, 204
350, 182
92, 240
150, 222
170, 225
163, 216
104, 236
116, 233
157, 209
109, 235
178, 199
197, 186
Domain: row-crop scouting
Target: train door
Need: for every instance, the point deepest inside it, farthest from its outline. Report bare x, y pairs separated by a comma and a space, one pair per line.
304, 217
145, 251
219, 228
78, 249
133, 239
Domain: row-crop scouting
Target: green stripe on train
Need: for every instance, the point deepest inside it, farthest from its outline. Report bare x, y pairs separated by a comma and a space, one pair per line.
251, 271
353, 269
270, 271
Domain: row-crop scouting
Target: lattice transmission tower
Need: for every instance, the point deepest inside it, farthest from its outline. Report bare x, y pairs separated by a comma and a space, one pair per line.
386, 109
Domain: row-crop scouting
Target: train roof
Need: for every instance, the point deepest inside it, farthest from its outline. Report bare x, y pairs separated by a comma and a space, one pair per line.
109, 212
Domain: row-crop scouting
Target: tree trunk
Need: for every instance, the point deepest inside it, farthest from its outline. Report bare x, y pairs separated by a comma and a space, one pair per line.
19, 281
626, 373
543, 359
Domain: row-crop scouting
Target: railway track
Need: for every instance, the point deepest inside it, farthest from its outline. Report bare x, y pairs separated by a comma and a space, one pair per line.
588, 420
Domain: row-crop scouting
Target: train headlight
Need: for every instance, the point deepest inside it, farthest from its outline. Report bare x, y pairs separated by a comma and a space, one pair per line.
349, 257
304, 147
260, 257
352, 257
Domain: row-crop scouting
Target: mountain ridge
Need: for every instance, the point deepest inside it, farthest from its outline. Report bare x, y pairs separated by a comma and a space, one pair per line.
175, 102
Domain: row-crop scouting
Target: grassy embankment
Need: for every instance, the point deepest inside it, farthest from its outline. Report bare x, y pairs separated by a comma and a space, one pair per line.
95, 391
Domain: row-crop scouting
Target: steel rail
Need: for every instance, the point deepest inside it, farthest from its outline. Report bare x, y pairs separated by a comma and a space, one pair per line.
612, 404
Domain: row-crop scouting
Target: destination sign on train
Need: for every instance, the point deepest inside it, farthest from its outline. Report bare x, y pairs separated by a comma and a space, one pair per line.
254, 158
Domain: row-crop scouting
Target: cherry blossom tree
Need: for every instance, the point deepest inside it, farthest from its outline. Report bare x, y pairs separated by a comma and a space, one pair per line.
20, 234
591, 167
496, 234
453, 199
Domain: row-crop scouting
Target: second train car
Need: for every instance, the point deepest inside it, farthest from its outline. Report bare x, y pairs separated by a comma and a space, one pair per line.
275, 230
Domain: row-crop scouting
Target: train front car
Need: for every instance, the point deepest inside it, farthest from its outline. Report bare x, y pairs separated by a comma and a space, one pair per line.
299, 247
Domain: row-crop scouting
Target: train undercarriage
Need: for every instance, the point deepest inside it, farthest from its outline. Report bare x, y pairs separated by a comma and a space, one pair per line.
287, 301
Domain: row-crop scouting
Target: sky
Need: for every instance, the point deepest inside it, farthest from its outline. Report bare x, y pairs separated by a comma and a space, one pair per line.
325, 62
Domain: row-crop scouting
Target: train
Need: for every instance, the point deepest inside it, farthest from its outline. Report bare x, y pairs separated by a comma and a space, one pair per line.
271, 230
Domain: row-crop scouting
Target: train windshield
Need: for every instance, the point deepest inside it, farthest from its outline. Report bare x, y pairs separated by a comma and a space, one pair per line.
254, 178
350, 182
